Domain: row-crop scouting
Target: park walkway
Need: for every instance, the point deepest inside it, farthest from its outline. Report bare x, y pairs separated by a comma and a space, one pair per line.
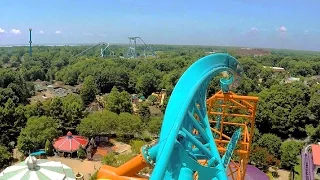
85, 167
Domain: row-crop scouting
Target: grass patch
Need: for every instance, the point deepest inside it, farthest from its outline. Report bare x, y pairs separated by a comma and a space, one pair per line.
297, 169
115, 160
270, 176
136, 145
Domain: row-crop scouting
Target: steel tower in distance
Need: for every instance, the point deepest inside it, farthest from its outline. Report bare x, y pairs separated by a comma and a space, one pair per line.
132, 50
30, 42
132, 47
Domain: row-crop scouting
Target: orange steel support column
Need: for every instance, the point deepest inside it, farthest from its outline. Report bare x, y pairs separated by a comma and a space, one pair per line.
229, 106
126, 171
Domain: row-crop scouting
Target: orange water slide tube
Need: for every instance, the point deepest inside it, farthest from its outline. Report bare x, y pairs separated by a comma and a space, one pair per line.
127, 171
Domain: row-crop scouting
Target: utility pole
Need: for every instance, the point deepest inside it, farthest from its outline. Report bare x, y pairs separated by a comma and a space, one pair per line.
30, 42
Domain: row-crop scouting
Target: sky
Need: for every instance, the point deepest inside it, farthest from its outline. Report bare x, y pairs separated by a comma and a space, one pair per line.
285, 24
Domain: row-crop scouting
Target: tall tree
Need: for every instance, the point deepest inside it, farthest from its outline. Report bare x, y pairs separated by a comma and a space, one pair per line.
155, 125
250, 67
118, 102
5, 157
56, 108
97, 123
73, 107
259, 157
129, 124
36, 132
144, 112
280, 107
147, 83
114, 76
89, 90
314, 105
271, 142
314, 134
289, 154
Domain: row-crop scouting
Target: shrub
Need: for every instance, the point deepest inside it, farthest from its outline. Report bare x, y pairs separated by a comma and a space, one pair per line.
48, 148
94, 176
5, 157
146, 136
22, 157
109, 159
81, 153
123, 158
136, 145
114, 160
152, 99
275, 174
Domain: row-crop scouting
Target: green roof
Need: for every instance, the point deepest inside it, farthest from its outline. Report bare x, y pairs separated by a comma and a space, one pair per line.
44, 170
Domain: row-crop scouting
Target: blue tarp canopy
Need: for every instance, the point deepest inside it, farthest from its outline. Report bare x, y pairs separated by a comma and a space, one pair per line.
38, 153
142, 98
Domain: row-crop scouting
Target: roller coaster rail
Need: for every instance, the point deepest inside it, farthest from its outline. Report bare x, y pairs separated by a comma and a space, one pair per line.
188, 147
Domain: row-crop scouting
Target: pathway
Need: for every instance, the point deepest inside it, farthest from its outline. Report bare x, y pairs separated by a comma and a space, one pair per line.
83, 167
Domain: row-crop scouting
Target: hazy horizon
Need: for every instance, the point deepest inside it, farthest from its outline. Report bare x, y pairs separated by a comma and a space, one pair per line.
126, 44
286, 24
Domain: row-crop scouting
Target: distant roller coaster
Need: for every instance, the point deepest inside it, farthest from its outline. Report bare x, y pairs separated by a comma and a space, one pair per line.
132, 49
103, 51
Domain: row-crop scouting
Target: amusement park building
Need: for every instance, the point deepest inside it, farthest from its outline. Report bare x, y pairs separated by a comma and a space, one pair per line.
276, 69
316, 160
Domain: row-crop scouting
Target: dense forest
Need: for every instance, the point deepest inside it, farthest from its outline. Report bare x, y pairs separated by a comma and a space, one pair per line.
288, 113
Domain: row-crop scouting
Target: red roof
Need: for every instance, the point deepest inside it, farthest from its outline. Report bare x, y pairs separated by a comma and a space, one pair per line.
316, 154
70, 143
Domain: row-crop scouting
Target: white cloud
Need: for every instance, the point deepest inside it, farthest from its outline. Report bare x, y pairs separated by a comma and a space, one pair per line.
251, 32
306, 31
282, 29
41, 32
103, 35
87, 34
254, 29
58, 32
15, 31
2, 30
